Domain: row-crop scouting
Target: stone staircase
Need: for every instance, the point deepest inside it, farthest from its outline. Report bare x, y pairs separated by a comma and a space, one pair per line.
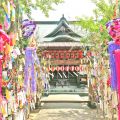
82, 90
65, 98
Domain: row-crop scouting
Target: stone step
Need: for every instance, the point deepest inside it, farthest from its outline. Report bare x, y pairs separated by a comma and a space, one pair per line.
64, 98
65, 101
77, 93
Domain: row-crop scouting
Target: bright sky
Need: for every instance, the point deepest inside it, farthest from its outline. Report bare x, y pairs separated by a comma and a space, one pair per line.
70, 9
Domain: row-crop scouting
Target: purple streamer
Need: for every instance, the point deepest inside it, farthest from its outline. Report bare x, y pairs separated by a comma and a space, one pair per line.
28, 28
111, 48
33, 81
29, 65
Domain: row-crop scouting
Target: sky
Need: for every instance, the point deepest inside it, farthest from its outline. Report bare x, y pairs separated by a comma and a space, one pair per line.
70, 8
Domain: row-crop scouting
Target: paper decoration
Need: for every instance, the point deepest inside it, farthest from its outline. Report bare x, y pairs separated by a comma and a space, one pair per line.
7, 14
114, 29
7, 94
0, 77
117, 60
10, 65
111, 48
7, 49
13, 14
4, 74
3, 36
28, 28
29, 69
74, 54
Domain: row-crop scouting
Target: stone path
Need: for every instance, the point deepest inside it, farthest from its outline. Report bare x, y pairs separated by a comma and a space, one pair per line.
65, 97
66, 111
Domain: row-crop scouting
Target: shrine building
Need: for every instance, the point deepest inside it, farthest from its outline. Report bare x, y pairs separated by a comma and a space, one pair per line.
67, 57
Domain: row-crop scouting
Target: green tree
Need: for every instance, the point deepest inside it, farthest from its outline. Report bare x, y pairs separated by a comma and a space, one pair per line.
25, 7
103, 13
99, 37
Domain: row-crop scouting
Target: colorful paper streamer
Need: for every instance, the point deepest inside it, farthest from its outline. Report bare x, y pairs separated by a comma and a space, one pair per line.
111, 48
117, 60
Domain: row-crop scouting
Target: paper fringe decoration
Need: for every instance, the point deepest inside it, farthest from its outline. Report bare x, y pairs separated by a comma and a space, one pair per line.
29, 60
113, 27
117, 60
0, 77
28, 28
111, 48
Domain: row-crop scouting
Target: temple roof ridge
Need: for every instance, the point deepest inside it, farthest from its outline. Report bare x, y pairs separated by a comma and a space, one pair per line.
62, 29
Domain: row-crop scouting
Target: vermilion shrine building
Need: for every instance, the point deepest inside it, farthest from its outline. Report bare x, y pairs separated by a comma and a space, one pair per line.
62, 49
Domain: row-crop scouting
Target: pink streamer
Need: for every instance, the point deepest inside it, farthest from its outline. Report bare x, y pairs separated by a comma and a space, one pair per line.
117, 60
0, 77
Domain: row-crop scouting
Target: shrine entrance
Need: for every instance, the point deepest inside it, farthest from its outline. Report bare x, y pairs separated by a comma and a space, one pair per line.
67, 78
67, 60
67, 81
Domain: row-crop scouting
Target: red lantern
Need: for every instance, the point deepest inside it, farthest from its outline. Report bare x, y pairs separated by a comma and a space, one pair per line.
53, 68
77, 68
62, 68
67, 55
76, 54
67, 68
57, 55
80, 54
61, 54
72, 68
57, 68
52, 54
72, 55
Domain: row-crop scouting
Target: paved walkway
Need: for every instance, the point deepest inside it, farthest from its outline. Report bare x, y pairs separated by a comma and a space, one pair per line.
66, 111
65, 97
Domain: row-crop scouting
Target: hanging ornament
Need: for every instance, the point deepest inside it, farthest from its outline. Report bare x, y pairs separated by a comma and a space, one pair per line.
114, 29
77, 68
3, 36
72, 68
111, 48
117, 60
67, 68
62, 68
28, 28
57, 68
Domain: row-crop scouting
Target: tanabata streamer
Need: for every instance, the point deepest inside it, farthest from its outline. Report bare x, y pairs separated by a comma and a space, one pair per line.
33, 81
111, 48
0, 76
117, 60
29, 60
4, 37
28, 54
3, 40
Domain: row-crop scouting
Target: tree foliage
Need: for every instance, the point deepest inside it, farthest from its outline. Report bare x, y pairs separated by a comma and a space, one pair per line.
25, 6
103, 13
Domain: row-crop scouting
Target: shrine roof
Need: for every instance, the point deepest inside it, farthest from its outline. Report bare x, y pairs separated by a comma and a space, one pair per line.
64, 38
62, 29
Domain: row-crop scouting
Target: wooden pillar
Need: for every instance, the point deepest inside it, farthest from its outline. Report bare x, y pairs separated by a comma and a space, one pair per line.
78, 80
